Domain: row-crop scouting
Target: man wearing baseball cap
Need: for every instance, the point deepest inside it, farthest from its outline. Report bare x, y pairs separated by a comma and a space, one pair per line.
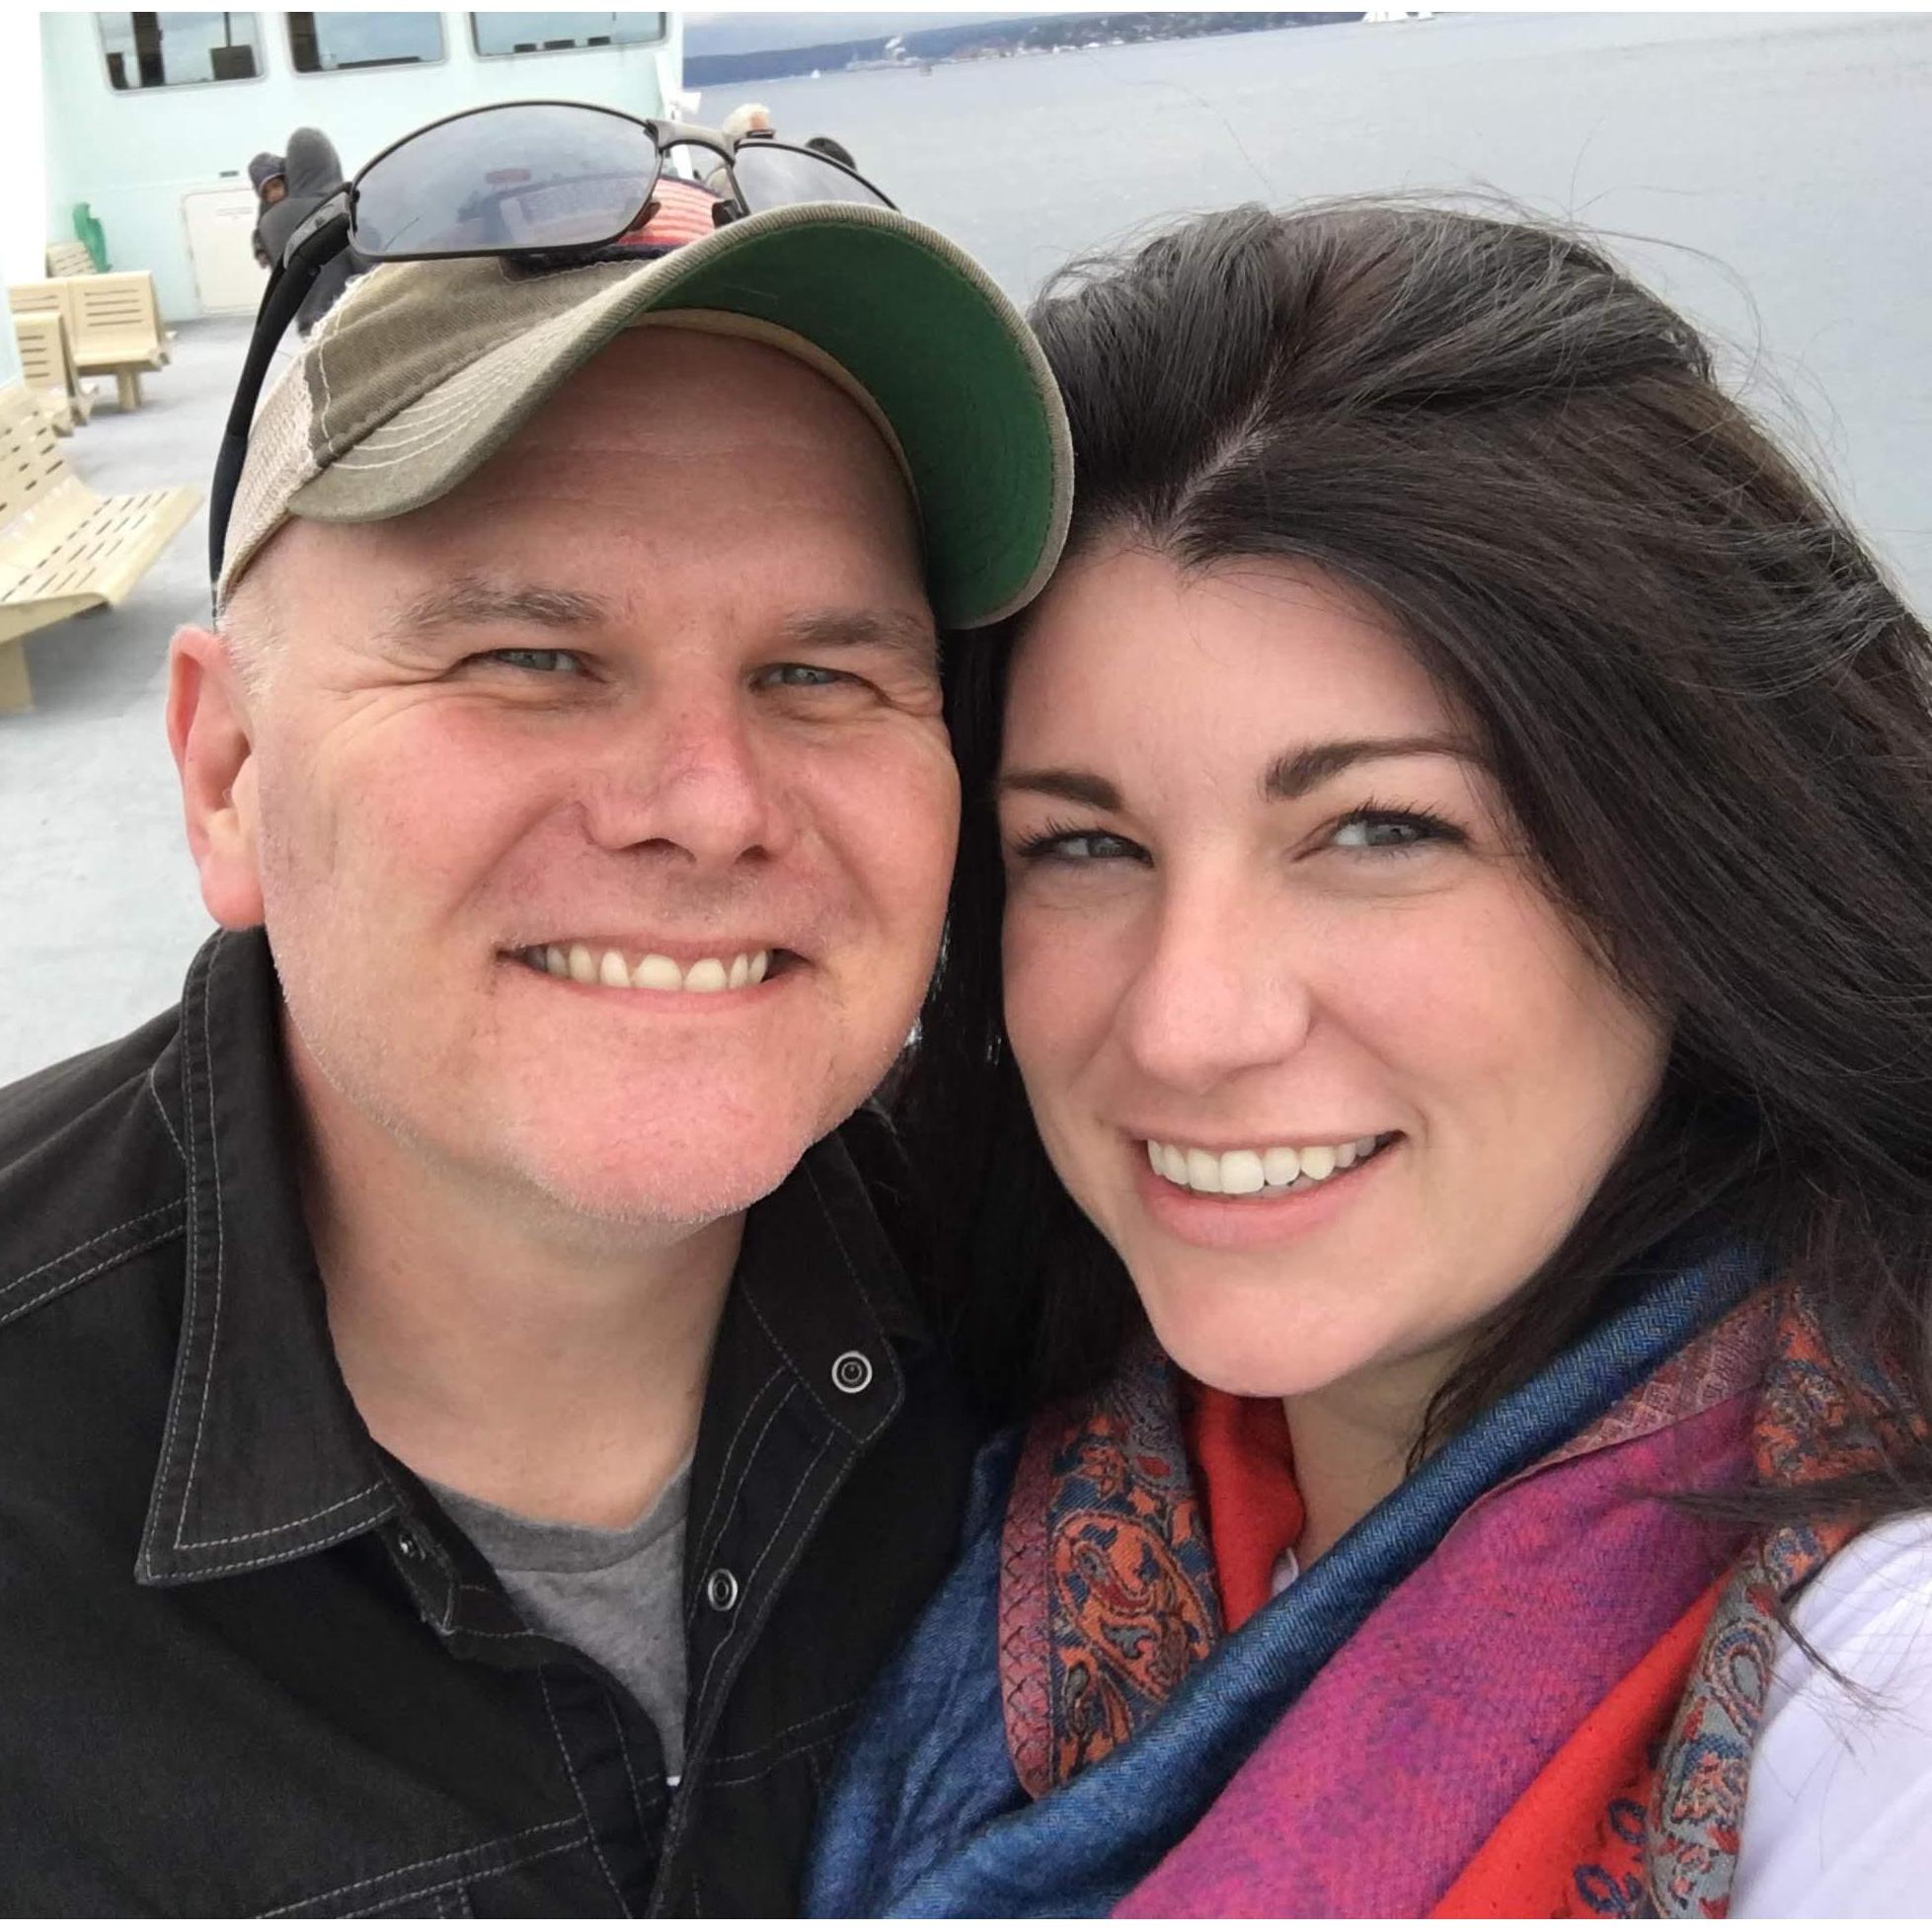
470, 1436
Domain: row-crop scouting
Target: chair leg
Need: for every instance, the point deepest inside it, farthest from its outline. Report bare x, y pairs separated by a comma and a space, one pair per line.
128, 388
13, 692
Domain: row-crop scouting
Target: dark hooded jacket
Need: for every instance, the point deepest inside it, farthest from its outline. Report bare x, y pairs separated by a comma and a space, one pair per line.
263, 169
314, 171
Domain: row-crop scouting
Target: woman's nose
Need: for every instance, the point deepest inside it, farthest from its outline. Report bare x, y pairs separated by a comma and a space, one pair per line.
1215, 993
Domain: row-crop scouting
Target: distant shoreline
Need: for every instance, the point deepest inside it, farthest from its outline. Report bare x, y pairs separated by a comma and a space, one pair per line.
997, 40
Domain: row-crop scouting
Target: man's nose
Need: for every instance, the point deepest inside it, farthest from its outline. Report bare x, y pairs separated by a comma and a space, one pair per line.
690, 774
1215, 991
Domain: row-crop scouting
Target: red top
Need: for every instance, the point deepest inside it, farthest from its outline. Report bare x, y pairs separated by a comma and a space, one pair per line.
1239, 1448
679, 211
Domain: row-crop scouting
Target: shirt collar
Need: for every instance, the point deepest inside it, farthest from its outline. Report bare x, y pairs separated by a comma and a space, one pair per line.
264, 1455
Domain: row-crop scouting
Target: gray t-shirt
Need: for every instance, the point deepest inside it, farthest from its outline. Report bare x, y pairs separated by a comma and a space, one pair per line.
616, 1594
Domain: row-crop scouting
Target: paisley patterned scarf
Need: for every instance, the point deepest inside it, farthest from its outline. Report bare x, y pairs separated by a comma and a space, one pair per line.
1528, 1684
1552, 1716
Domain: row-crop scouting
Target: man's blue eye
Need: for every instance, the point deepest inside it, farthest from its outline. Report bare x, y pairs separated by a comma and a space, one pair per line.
807, 678
536, 660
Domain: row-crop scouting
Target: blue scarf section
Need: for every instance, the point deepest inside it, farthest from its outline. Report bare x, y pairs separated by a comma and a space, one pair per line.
926, 1818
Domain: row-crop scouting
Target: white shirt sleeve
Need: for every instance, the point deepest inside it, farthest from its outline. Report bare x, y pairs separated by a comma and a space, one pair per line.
1839, 1817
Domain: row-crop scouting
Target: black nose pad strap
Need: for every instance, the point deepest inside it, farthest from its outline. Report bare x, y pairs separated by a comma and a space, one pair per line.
311, 248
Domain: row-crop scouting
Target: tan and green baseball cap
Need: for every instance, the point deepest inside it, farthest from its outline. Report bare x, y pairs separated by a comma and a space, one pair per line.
424, 369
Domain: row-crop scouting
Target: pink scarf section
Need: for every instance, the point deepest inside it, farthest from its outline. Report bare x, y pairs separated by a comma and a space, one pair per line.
1385, 1777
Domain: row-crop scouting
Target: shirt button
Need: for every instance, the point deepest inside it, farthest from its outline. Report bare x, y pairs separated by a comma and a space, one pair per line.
721, 1589
852, 1373
406, 1546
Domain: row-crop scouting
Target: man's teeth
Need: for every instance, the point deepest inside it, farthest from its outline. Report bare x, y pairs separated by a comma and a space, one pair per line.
1255, 1170
653, 972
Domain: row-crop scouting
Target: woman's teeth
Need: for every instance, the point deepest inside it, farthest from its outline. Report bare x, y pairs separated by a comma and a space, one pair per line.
653, 970
1256, 1170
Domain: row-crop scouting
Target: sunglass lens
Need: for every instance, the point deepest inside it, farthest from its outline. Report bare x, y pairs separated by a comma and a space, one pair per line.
772, 175
530, 175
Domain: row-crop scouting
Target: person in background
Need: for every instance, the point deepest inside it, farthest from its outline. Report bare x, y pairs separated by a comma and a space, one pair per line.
750, 120
314, 172
267, 173
834, 150
1431, 1079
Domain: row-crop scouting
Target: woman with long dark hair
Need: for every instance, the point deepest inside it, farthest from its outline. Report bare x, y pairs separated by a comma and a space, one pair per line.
1428, 1097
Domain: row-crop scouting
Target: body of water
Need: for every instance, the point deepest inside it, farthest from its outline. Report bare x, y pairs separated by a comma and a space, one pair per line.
1766, 173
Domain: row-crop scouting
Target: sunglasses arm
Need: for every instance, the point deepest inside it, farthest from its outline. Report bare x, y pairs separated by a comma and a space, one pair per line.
294, 276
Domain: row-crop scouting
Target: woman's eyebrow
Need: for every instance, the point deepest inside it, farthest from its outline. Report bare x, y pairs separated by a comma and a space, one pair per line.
1294, 773
1076, 787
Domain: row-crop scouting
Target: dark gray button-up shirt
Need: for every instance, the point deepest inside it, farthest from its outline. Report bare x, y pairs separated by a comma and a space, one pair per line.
249, 1666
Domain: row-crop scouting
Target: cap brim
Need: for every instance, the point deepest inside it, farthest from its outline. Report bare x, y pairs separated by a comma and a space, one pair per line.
912, 319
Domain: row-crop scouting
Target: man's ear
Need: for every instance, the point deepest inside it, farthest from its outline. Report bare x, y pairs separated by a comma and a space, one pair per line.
212, 740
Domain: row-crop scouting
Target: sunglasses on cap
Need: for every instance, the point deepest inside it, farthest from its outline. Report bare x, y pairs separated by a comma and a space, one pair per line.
548, 179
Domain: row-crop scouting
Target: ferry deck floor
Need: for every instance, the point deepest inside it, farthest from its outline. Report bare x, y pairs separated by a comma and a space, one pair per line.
100, 911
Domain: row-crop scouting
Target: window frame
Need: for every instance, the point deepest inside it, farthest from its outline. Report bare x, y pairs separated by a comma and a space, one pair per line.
169, 87
661, 39
374, 67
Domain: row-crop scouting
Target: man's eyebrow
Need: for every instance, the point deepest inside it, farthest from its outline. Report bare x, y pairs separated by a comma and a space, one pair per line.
1056, 782
1294, 773
468, 602
834, 629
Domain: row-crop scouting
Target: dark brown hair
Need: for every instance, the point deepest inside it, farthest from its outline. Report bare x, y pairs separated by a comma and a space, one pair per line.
1708, 709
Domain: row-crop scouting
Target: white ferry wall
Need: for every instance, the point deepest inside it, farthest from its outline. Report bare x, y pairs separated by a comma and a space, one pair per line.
147, 161
22, 245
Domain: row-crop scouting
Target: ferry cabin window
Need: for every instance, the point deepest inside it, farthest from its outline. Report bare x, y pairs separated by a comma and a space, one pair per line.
548, 32
179, 50
335, 43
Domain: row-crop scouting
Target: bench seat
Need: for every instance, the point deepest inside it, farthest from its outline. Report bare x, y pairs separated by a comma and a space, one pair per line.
65, 548
47, 366
113, 325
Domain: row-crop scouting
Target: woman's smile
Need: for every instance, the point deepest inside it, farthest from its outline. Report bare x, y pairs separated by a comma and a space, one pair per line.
1316, 1184
1264, 1169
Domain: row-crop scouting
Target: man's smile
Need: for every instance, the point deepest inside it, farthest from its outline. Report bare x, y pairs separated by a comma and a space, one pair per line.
727, 969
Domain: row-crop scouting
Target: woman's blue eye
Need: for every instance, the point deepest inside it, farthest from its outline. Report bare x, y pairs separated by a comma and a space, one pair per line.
1369, 830
1060, 845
